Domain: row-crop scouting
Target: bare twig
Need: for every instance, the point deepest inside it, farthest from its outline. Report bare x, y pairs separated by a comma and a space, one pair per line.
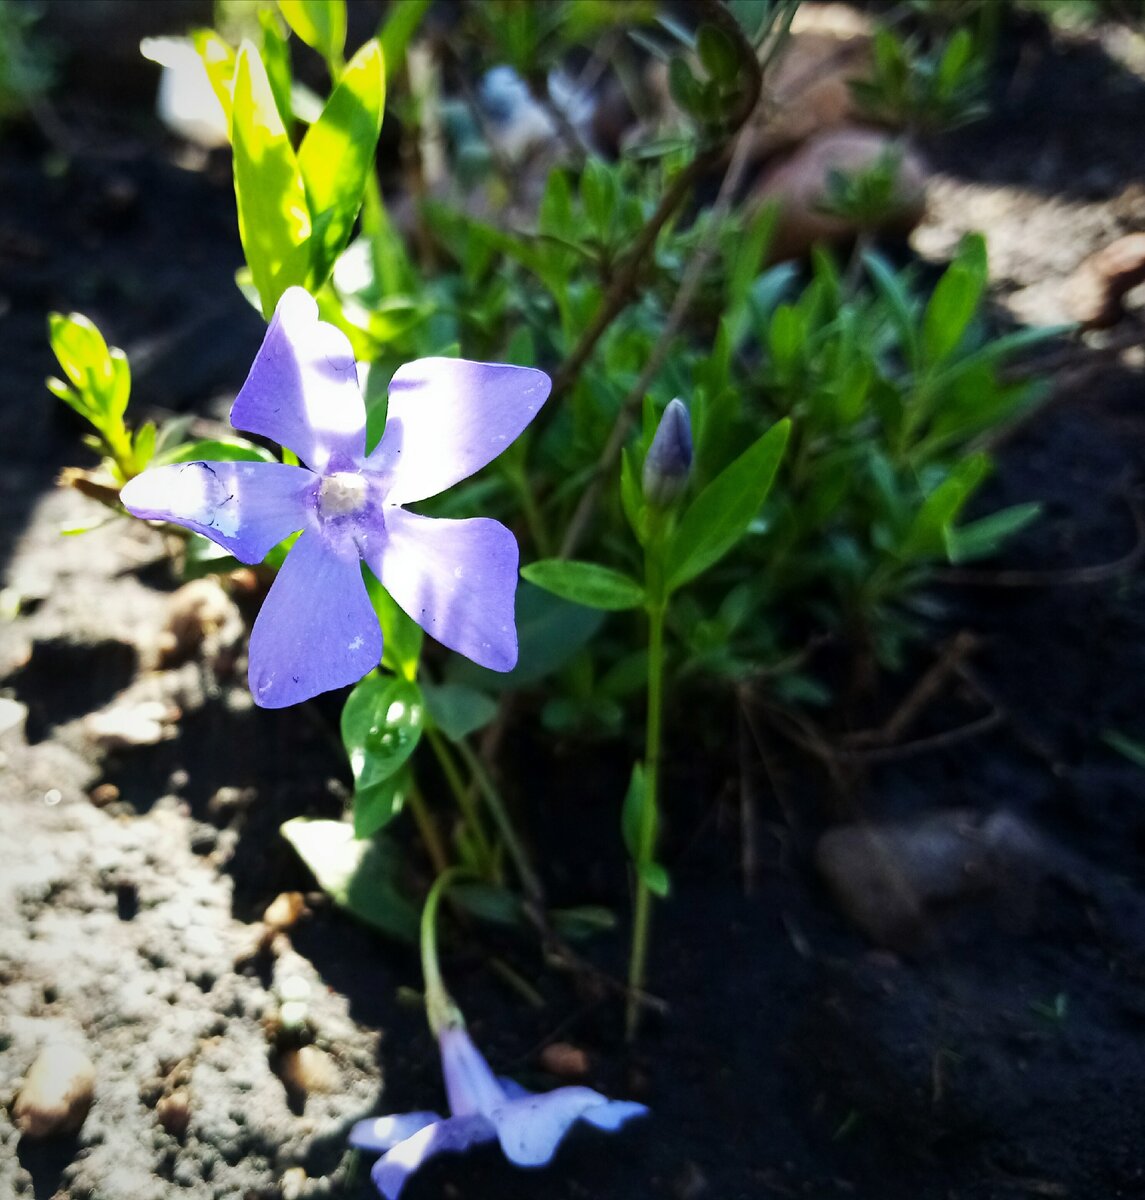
630, 406
624, 282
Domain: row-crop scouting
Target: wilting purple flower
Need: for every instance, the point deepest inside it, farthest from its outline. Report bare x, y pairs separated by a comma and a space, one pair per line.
457, 579
484, 1108
669, 458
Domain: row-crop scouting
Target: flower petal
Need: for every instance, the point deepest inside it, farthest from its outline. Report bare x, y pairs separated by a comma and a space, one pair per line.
379, 1134
456, 579
245, 507
469, 1083
302, 390
610, 1115
448, 417
317, 629
458, 1133
531, 1129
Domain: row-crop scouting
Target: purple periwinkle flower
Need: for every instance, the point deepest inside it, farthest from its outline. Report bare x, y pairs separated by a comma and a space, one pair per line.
669, 459
446, 419
484, 1108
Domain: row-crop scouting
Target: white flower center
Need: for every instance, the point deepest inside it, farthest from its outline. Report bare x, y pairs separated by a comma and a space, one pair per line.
343, 493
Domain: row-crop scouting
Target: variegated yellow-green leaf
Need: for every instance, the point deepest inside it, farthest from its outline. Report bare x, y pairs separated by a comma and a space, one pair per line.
274, 221
337, 155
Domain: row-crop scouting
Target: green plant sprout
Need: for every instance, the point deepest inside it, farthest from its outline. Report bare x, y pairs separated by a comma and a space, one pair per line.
739, 462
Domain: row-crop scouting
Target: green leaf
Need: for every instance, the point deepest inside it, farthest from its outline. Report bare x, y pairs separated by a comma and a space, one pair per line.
550, 631
337, 156
1130, 748
226, 449
488, 902
276, 58
632, 494
458, 709
583, 921
401, 636
143, 445
321, 24
985, 536
84, 356
898, 300
382, 723
631, 812
685, 88
598, 195
955, 300
721, 513
401, 24
718, 53
219, 63
377, 805
274, 221
586, 583
926, 537
359, 876
656, 877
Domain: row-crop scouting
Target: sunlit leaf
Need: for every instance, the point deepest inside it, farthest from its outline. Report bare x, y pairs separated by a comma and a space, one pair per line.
274, 221
337, 155
359, 876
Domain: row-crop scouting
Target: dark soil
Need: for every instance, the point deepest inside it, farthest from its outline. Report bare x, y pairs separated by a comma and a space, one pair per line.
998, 1054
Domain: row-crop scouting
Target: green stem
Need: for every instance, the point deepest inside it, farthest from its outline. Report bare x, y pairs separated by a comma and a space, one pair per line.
497, 810
649, 808
440, 1010
460, 792
427, 829
533, 518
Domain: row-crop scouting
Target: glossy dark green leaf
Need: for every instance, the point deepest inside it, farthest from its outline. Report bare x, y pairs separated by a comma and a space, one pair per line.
382, 723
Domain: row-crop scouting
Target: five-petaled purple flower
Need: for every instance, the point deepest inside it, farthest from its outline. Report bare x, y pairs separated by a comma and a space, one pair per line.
446, 419
484, 1109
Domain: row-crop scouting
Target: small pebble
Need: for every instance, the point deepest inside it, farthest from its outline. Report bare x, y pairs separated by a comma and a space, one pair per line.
104, 794
57, 1092
565, 1060
283, 911
174, 1113
309, 1069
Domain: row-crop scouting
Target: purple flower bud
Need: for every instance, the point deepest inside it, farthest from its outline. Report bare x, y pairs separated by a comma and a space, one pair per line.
669, 460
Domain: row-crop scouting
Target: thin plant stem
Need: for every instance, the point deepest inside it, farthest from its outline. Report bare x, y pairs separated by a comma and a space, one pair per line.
440, 1009
500, 815
646, 845
469, 813
427, 829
